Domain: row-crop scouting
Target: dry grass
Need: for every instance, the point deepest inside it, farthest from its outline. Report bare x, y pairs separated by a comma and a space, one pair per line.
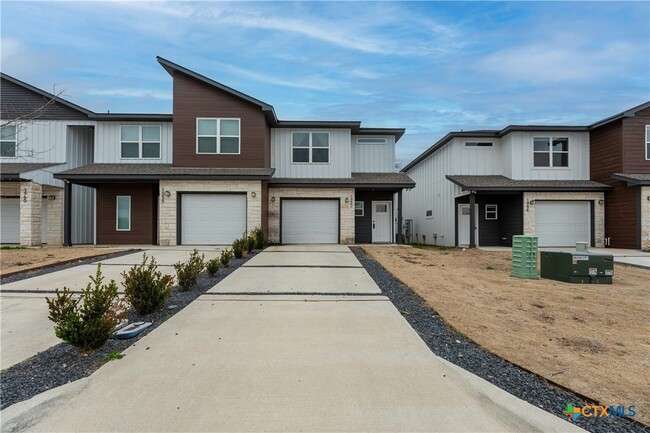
594, 339
19, 259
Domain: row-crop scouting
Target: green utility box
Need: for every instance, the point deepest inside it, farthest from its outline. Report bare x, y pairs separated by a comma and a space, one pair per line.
524, 257
580, 267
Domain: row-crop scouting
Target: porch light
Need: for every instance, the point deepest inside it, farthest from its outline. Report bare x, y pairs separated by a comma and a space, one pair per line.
347, 200
253, 194
51, 197
601, 201
167, 194
272, 199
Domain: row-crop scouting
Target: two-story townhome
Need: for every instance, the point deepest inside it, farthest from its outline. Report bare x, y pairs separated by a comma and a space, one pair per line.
42, 134
479, 188
620, 157
222, 164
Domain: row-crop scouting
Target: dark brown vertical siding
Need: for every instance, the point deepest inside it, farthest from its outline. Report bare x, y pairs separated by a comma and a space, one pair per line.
634, 143
194, 99
606, 152
621, 215
143, 213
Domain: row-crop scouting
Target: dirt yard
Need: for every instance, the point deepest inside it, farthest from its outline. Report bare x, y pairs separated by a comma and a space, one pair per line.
594, 339
19, 259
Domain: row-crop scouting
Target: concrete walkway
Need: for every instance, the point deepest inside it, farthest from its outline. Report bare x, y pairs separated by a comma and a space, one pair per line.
25, 329
276, 362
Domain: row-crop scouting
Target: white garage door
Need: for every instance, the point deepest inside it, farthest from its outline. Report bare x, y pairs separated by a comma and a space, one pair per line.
212, 219
562, 223
10, 223
310, 221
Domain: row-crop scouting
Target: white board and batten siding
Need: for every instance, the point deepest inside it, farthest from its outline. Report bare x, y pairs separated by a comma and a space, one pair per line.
108, 149
373, 158
340, 163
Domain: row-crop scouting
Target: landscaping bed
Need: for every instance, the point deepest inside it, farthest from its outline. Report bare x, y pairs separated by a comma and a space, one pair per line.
63, 363
461, 280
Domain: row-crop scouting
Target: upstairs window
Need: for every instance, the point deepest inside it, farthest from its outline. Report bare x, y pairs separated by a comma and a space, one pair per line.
139, 142
647, 142
478, 144
218, 136
550, 152
8, 141
310, 147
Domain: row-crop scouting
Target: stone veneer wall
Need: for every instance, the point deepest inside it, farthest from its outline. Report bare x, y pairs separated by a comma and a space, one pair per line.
346, 209
167, 214
31, 196
645, 218
599, 210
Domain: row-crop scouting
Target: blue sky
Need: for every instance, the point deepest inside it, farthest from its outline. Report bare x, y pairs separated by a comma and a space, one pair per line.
429, 67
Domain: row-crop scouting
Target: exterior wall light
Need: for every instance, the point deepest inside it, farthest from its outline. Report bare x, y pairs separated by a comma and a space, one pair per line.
601, 201
272, 199
253, 194
167, 194
51, 197
347, 200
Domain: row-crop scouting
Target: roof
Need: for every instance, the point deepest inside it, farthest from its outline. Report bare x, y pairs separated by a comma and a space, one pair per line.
14, 170
501, 183
491, 133
133, 117
627, 113
358, 180
117, 172
634, 179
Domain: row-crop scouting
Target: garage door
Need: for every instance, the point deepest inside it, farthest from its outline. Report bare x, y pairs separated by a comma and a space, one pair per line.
310, 221
212, 219
562, 223
10, 214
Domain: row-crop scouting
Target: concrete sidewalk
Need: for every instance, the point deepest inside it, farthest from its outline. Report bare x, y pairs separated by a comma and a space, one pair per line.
269, 362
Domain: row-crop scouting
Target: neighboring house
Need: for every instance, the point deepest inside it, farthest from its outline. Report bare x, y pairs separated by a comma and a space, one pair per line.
42, 134
483, 187
620, 157
223, 164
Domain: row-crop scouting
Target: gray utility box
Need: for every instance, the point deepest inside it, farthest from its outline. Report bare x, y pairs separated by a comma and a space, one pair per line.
580, 267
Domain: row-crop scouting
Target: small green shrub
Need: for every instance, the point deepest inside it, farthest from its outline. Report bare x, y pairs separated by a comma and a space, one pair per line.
145, 287
226, 257
258, 237
240, 247
113, 356
250, 243
213, 265
89, 320
188, 273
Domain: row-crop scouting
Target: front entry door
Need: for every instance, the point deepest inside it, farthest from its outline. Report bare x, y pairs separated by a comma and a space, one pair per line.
463, 225
381, 218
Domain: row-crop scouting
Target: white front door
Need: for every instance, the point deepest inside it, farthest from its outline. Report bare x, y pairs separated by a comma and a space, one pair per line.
381, 221
464, 225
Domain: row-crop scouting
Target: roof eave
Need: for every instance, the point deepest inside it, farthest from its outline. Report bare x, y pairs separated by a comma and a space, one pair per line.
631, 180
388, 186
153, 177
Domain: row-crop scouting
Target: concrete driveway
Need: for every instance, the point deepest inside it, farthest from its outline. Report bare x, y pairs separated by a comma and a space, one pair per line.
281, 362
24, 327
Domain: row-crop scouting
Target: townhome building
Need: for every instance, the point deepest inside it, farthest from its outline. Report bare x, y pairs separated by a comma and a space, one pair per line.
222, 163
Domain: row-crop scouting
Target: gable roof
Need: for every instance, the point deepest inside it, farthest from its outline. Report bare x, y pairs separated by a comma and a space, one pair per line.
15, 170
627, 113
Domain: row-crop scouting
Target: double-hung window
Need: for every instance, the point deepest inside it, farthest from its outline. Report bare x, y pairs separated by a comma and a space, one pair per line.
491, 211
8, 141
140, 142
358, 208
310, 147
550, 152
123, 213
217, 136
647, 142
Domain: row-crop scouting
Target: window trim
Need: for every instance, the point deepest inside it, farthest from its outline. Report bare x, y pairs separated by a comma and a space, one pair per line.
495, 212
362, 209
141, 141
15, 141
117, 213
383, 141
218, 136
550, 152
647, 143
478, 144
329, 147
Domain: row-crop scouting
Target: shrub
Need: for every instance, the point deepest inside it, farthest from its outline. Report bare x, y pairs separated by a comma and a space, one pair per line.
250, 243
88, 321
258, 237
240, 247
213, 265
226, 257
188, 272
146, 288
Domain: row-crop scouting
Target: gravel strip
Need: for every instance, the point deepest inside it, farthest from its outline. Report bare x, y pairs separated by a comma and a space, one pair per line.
452, 346
54, 267
63, 363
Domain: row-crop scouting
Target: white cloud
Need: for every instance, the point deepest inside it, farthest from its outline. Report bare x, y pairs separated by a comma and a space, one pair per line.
130, 93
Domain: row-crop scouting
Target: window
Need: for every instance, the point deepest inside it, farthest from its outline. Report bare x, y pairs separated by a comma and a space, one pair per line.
217, 136
140, 142
310, 147
8, 141
358, 208
550, 152
429, 213
490, 211
647, 142
370, 140
123, 212
478, 144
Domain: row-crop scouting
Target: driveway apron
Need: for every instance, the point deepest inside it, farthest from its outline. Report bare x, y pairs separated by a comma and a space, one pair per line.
253, 355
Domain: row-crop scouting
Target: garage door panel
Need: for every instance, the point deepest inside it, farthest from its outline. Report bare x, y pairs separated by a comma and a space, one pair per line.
562, 223
10, 223
212, 219
310, 221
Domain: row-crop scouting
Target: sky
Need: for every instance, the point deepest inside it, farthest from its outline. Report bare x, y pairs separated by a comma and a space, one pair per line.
428, 67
